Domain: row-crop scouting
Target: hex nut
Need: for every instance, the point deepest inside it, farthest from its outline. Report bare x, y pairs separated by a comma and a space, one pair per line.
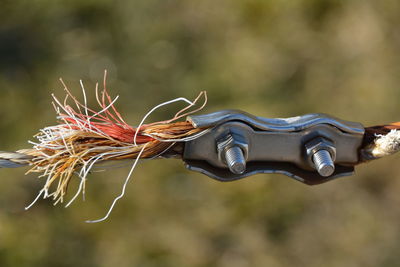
230, 140
316, 144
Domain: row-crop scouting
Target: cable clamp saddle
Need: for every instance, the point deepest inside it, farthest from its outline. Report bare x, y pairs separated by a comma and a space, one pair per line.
312, 148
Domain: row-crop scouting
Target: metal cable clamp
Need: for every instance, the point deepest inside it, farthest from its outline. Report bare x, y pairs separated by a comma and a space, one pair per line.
312, 148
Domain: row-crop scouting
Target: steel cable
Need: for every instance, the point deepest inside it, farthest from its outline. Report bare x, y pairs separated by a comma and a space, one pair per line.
14, 159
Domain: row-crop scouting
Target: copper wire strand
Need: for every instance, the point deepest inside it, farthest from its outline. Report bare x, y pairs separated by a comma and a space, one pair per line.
88, 137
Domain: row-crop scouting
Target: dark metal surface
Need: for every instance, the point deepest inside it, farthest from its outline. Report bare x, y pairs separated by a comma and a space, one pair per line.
252, 168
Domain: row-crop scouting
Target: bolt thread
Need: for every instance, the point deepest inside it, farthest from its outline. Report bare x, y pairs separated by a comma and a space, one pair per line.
324, 163
235, 160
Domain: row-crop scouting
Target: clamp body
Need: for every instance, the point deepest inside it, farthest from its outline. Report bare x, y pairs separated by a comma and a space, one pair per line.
312, 148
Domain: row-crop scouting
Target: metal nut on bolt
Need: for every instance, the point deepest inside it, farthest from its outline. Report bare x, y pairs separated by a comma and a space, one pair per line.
321, 154
233, 151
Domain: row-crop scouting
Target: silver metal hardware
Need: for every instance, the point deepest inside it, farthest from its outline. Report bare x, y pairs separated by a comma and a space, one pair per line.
321, 154
232, 150
235, 160
278, 124
274, 145
324, 163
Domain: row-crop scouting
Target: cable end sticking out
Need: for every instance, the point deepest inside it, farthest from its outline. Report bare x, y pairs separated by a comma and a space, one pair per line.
84, 137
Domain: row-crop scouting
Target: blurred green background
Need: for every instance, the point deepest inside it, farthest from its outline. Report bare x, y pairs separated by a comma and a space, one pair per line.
271, 58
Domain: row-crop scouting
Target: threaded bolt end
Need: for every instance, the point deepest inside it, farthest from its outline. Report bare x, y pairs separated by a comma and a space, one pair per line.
323, 163
235, 160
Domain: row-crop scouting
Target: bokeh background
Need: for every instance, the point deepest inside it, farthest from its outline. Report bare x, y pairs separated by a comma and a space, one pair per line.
271, 58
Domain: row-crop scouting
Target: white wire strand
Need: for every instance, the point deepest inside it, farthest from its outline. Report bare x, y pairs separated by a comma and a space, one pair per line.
185, 139
155, 108
123, 189
35, 200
